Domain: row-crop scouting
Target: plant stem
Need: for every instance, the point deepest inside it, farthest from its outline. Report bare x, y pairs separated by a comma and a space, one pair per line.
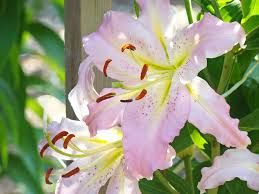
224, 80
188, 8
188, 171
226, 72
216, 8
165, 182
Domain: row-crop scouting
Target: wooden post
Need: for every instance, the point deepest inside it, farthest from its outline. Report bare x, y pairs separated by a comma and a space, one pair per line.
81, 18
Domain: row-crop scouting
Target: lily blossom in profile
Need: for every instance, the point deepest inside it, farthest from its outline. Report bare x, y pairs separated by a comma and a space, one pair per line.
242, 164
94, 160
160, 88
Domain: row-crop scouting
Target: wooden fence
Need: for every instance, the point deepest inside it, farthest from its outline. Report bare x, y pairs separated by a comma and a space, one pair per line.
81, 18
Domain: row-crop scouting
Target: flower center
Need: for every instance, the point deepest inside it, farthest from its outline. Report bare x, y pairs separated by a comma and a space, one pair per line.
159, 73
73, 151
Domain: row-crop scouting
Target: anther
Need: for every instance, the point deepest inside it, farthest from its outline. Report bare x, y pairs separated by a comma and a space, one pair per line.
126, 101
106, 64
128, 46
47, 175
141, 95
105, 97
67, 140
43, 149
144, 72
71, 173
59, 136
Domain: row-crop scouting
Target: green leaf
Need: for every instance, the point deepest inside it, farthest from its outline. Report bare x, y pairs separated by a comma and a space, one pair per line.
136, 7
235, 186
19, 172
177, 182
33, 104
152, 186
250, 19
52, 45
3, 143
252, 40
231, 11
10, 20
250, 122
182, 141
196, 137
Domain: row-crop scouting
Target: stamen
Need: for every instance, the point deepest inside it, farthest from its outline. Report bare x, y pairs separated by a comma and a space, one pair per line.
144, 72
105, 97
107, 62
59, 136
71, 173
47, 175
126, 101
67, 140
141, 95
128, 46
43, 149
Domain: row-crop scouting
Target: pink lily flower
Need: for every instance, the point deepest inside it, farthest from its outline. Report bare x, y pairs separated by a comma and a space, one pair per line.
95, 160
161, 89
233, 163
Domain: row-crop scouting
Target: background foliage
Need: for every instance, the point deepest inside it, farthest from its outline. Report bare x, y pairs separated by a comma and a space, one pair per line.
19, 158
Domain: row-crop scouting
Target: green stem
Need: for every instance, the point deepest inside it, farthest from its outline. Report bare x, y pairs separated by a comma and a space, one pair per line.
226, 72
216, 8
224, 80
188, 8
188, 171
165, 182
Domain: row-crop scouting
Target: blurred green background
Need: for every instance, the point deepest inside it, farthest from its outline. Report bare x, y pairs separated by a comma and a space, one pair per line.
31, 64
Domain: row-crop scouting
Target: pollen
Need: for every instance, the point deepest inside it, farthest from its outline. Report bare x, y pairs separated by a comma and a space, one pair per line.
106, 64
67, 140
71, 173
47, 175
144, 72
105, 97
142, 94
128, 46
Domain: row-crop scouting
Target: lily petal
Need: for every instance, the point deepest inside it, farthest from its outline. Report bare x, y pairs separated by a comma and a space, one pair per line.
120, 183
84, 91
208, 38
105, 114
119, 29
233, 163
157, 16
94, 173
150, 124
210, 113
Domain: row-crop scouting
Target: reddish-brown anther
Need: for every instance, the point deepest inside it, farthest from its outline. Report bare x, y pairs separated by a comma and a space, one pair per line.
128, 46
105, 97
141, 95
126, 101
144, 72
67, 140
59, 136
71, 173
106, 64
43, 149
47, 175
